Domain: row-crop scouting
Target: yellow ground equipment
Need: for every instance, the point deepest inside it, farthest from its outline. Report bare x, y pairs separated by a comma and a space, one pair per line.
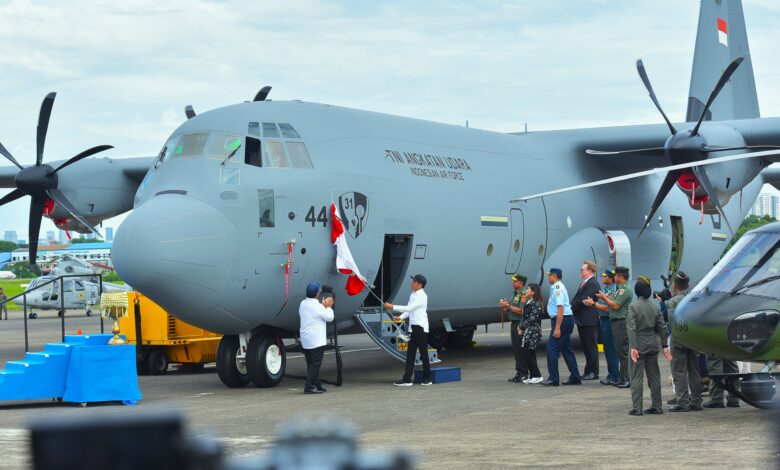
163, 339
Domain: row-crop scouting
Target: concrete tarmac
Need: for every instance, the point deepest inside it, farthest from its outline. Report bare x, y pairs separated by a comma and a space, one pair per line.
484, 421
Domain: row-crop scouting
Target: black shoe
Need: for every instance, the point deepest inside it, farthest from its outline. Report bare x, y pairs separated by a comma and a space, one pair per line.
713, 404
606, 382
673, 401
571, 382
312, 391
549, 383
514, 379
590, 376
623, 385
732, 405
635, 413
321, 388
696, 408
654, 411
678, 409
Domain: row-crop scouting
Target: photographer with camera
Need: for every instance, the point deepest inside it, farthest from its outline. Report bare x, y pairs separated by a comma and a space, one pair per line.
314, 318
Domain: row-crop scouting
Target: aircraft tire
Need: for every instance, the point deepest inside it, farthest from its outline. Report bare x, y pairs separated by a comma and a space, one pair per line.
265, 360
461, 338
89, 313
157, 362
437, 338
227, 367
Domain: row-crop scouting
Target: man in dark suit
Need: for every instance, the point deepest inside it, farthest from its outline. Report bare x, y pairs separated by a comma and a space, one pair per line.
587, 319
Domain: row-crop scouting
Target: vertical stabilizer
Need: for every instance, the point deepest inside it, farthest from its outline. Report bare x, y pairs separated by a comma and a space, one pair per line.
721, 38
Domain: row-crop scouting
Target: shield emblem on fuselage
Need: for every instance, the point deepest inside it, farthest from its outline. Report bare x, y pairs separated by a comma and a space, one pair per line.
354, 212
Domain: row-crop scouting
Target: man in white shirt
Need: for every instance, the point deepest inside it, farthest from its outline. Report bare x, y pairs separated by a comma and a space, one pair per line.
417, 314
314, 318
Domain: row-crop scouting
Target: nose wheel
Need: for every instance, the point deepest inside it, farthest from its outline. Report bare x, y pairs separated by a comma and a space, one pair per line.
755, 389
266, 360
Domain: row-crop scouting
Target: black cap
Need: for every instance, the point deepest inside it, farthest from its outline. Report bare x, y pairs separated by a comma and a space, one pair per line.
420, 279
557, 271
622, 270
610, 273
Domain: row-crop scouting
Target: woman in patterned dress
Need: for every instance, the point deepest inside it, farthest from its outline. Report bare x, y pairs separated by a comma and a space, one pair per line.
530, 329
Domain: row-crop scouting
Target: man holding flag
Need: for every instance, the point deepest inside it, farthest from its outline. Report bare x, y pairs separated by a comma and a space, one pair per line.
416, 312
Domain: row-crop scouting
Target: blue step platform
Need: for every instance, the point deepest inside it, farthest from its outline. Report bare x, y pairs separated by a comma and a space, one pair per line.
439, 374
83, 369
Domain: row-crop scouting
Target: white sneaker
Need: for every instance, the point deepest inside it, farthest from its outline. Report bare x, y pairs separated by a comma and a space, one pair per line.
404, 338
536, 380
426, 383
402, 384
529, 380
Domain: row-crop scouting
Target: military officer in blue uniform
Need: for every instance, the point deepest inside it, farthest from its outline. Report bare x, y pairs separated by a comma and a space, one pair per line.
559, 311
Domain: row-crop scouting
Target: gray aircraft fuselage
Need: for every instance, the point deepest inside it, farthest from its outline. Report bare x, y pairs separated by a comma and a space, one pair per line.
196, 245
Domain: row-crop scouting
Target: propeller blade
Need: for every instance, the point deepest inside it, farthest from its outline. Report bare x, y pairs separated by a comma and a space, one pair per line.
669, 181
82, 156
43, 125
704, 180
745, 147
724, 78
12, 196
709, 161
10, 157
189, 111
621, 152
262, 94
36, 214
640, 67
60, 199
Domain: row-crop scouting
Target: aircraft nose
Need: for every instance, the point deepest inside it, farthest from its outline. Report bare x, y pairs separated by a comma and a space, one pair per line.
177, 251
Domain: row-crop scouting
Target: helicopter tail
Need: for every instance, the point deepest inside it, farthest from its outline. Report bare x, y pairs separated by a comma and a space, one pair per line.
720, 39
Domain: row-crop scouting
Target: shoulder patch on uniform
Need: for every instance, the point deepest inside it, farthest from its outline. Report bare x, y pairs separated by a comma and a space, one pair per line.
621, 292
557, 287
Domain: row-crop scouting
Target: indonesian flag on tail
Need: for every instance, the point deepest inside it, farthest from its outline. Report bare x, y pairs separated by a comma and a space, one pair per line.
344, 261
723, 33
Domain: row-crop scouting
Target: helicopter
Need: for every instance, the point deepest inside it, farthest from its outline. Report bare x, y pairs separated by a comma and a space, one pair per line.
734, 313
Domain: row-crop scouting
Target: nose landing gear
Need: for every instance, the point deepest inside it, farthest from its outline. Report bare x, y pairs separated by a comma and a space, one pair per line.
262, 361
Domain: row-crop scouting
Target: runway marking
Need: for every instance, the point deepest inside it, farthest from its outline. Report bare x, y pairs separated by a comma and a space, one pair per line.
334, 352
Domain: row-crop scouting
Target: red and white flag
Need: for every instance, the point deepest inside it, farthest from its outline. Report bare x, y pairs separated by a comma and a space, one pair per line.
344, 261
723, 33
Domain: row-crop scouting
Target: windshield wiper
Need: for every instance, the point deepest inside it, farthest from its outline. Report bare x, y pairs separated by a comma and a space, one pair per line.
754, 284
230, 155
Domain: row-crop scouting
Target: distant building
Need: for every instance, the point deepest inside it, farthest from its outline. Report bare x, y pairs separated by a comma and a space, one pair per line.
62, 237
766, 204
50, 236
10, 236
90, 252
109, 234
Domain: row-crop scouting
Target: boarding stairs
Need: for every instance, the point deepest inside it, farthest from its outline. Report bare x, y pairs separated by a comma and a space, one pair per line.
57, 373
381, 328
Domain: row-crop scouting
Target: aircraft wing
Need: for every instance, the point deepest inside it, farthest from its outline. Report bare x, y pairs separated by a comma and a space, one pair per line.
771, 176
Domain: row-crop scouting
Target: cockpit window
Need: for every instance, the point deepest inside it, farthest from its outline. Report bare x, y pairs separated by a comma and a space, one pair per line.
190, 145
270, 130
299, 157
288, 132
166, 151
755, 257
274, 155
221, 145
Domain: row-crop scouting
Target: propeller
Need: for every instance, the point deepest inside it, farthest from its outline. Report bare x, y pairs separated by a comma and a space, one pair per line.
685, 146
40, 181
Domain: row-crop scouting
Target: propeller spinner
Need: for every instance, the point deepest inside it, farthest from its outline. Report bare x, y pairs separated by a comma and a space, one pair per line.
40, 181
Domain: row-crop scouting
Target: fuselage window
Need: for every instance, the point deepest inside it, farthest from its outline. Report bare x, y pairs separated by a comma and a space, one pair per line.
191, 145
288, 132
274, 155
252, 155
299, 157
253, 129
265, 198
270, 130
222, 145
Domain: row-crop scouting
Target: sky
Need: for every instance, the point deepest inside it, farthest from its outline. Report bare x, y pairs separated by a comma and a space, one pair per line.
124, 71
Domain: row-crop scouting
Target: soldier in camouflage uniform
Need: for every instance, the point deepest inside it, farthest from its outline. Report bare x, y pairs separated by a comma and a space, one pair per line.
514, 309
618, 312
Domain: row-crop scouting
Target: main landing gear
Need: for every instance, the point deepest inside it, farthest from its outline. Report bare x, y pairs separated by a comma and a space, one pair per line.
259, 358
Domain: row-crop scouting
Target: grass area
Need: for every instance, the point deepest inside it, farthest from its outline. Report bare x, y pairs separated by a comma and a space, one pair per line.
13, 287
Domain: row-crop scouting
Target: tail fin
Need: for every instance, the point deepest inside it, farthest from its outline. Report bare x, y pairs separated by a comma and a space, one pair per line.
721, 38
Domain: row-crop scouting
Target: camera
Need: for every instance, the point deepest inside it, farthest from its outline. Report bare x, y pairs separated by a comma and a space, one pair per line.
664, 294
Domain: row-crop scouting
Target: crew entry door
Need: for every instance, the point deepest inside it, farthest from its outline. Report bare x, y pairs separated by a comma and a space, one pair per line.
528, 239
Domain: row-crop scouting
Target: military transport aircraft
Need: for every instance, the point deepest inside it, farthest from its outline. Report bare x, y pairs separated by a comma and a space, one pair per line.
231, 219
